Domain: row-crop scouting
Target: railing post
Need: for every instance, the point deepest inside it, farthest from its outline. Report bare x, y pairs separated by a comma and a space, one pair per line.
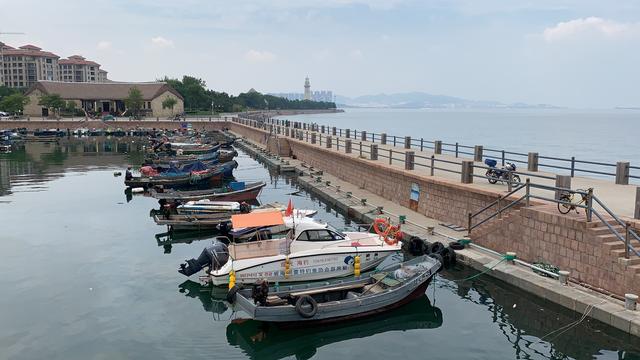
562, 181
363, 135
394, 140
469, 224
409, 157
626, 240
421, 144
510, 182
466, 175
477, 153
313, 138
573, 166
374, 152
499, 203
622, 173
338, 143
528, 192
503, 157
328, 142
322, 129
347, 146
636, 212
383, 139
334, 131
286, 132
457, 149
390, 156
589, 210
532, 161
407, 142
340, 132
433, 160
348, 133
320, 138
437, 147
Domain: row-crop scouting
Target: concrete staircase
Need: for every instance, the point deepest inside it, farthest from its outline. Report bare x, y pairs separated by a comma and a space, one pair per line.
611, 243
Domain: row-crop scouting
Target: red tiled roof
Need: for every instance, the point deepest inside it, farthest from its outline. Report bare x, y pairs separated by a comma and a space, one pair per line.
76, 61
30, 47
102, 91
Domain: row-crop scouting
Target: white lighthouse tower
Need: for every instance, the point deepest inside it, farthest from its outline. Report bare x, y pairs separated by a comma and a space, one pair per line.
307, 89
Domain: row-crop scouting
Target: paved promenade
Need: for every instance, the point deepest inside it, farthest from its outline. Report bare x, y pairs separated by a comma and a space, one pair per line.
621, 199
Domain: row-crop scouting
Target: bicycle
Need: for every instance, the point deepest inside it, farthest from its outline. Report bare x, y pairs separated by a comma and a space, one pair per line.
567, 197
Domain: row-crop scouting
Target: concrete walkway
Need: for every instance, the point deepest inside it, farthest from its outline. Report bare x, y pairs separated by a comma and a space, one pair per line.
621, 199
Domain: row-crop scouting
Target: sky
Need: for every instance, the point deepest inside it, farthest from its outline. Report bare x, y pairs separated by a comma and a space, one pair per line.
575, 53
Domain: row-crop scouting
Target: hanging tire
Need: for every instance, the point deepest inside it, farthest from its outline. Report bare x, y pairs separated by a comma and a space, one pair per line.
435, 248
456, 245
449, 256
417, 246
439, 258
231, 294
306, 306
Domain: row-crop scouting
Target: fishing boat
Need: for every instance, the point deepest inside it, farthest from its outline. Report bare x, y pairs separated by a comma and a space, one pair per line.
341, 300
234, 191
192, 221
311, 251
206, 206
178, 180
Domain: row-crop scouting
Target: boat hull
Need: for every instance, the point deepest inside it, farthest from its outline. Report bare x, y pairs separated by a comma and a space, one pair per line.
304, 267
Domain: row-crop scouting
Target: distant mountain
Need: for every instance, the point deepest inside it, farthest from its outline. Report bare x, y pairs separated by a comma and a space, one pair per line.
420, 100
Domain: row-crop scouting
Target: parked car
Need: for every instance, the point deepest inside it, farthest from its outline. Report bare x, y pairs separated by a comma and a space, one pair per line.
2, 113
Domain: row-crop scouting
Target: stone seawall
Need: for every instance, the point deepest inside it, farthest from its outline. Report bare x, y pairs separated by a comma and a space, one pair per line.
97, 124
535, 233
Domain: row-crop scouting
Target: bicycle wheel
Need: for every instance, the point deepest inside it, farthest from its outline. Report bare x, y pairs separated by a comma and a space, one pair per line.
564, 208
516, 180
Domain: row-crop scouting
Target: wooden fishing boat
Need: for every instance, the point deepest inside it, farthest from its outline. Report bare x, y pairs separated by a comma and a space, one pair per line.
245, 192
341, 300
186, 180
192, 222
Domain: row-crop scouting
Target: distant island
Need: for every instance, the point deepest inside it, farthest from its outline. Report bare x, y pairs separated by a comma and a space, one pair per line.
422, 100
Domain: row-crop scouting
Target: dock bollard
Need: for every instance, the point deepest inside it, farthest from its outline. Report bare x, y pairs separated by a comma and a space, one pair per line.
630, 301
563, 277
511, 256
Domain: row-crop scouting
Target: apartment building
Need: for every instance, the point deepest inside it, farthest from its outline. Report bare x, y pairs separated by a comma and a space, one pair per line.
24, 66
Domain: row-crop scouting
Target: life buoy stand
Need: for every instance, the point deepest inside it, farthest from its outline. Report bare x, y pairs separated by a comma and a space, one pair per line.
306, 306
389, 233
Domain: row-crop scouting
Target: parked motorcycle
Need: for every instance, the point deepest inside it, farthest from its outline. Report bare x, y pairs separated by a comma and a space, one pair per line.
494, 174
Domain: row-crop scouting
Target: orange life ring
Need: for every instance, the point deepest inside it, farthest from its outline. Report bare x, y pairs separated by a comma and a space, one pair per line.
391, 234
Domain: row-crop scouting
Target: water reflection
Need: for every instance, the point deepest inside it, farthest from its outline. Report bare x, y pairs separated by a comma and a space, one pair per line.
167, 239
36, 162
263, 341
531, 323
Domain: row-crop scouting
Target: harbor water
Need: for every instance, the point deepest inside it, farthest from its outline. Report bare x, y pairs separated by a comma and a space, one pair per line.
605, 136
87, 274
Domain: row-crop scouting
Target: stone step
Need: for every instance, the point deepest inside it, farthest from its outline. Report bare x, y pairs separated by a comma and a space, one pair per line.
604, 230
620, 252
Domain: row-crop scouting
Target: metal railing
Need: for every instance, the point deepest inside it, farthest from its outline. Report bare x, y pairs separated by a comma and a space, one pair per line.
504, 203
571, 165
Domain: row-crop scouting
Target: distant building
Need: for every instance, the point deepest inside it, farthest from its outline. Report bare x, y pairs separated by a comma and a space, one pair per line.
24, 66
322, 95
307, 89
28, 64
105, 97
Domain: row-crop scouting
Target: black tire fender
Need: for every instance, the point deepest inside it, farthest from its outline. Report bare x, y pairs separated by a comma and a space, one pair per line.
435, 248
456, 245
306, 300
439, 258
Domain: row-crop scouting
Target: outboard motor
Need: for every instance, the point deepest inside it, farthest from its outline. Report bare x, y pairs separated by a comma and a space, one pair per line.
214, 255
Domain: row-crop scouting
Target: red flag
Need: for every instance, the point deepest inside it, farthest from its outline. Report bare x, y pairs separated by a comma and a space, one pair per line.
289, 210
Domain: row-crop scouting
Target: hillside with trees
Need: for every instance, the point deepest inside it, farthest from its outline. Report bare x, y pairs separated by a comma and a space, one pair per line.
199, 99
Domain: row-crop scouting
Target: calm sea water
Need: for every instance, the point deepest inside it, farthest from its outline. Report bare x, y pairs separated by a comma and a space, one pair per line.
86, 274
594, 135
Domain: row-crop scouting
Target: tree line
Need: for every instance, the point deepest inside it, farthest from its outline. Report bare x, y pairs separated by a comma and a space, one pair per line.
197, 98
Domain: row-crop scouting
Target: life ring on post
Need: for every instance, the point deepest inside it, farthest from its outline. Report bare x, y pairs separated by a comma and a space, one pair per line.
389, 233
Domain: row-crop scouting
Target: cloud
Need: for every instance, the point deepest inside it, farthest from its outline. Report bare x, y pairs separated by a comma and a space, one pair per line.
257, 56
589, 26
104, 45
159, 42
356, 54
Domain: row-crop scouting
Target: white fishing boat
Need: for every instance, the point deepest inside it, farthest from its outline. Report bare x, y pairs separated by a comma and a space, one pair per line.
311, 251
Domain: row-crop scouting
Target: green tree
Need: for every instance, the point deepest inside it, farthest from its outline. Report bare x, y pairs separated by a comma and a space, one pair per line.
71, 106
13, 103
52, 101
134, 102
169, 103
